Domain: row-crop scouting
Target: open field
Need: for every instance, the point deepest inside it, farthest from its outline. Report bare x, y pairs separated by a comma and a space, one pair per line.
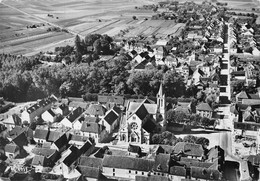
83, 17
79, 16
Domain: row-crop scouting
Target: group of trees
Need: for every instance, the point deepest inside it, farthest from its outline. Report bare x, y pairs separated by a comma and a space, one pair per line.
195, 120
24, 79
168, 138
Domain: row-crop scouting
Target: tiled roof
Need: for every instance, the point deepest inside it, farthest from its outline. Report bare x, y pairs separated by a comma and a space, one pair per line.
242, 95
96, 109
148, 124
91, 172
164, 149
161, 163
54, 135
130, 163
92, 127
251, 102
61, 141
178, 171
90, 119
72, 157
151, 178
207, 174
41, 134
11, 148
189, 149
20, 140
111, 117
78, 138
204, 107
254, 159
87, 145
90, 161
41, 103
51, 112
13, 119
39, 160
134, 149
73, 115
116, 99
43, 151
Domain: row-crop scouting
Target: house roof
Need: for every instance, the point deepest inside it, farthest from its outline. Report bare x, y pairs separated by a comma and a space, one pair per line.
251, 102
204, 107
39, 160
41, 133
130, 163
61, 141
51, 112
161, 163
134, 149
207, 174
242, 95
189, 149
54, 135
254, 159
18, 130
91, 172
178, 171
78, 138
72, 157
41, 103
92, 127
20, 140
90, 119
164, 149
96, 109
13, 119
90, 161
73, 115
43, 151
148, 124
87, 145
151, 178
111, 117
11, 148
116, 99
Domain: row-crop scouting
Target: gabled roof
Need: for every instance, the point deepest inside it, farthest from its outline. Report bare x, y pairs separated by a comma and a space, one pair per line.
92, 127
242, 95
41, 103
207, 174
41, 134
90, 162
116, 99
51, 113
39, 160
178, 171
43, 151
72, 157
204, 107
254, 159
90, 119
161, 163
61, 141
130, 163
73, 115
54, 135
20, 140
96, 109
251, 102
13, 119
134, 149
78, 138
148, 124
87, 145
11, 148
111, 117
189, 149
91, 172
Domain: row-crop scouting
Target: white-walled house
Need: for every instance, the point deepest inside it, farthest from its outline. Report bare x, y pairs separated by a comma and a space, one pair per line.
40, 135
63, 110
126, 167
72, 119
204, 110
49, 116
111, 119
61, 143
12, 150
93, 130
37, 109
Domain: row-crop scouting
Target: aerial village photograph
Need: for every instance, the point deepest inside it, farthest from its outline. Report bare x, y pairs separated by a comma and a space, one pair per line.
125, 90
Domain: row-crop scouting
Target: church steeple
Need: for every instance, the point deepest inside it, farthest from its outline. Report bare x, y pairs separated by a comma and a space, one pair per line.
161, 103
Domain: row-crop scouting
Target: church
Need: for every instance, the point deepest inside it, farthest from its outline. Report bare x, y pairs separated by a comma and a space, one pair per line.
142, 118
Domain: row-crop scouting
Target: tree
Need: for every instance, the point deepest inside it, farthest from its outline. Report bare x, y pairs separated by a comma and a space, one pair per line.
97, 46
134, 18
205, 122
190, 139
204, 142
78, 45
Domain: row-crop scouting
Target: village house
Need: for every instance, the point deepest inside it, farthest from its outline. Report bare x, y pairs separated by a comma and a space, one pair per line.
12, 150
93, 130
96, 110
51, 155
36, 110
49, 116
61, 143
40, 136
40, 163
204, 110
126, 167
12, 121
189, 150
62, 109
72, 119
77, 140
111, 119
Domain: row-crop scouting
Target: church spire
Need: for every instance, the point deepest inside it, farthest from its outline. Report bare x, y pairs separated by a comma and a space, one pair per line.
160, 92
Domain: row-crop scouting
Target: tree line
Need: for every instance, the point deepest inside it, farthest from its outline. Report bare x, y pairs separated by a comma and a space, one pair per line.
25, 79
